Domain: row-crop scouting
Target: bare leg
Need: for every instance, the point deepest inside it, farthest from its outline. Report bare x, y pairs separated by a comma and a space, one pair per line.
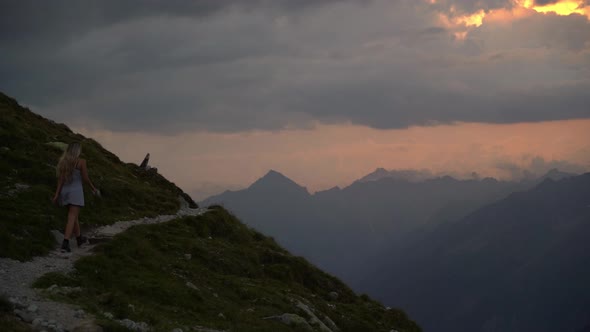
76, 228
72, 217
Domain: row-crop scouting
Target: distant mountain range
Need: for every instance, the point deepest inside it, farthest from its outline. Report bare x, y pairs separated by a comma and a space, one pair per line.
519, 264
340, 229
450, 251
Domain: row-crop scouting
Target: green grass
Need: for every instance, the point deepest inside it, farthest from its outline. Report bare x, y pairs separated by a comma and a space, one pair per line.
235, 269
30, 147
142, 274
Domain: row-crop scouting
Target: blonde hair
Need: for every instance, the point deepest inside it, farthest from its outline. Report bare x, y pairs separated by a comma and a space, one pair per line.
67, 162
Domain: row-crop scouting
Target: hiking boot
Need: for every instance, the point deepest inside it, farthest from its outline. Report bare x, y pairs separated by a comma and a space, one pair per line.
80, 240
65, 246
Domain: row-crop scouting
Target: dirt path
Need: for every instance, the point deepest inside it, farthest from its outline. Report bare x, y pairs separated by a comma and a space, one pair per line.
17, 277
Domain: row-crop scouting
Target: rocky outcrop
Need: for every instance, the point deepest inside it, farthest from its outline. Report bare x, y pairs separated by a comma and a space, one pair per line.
312, 318
311, 323
292, 320
145, 162
134, 326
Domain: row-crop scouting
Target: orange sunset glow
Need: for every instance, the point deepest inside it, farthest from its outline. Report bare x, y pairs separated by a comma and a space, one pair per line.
564, 7
520, 8
331, 155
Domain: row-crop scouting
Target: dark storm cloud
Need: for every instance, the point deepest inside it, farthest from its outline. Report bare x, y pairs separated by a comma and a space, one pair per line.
470, 6
32, 34
233, 65
27, 21
383, 105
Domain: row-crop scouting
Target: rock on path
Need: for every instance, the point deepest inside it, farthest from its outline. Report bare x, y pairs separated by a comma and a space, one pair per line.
17, 277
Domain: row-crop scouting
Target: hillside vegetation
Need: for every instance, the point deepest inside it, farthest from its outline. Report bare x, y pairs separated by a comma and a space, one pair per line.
30, 147
194, 273
216, 272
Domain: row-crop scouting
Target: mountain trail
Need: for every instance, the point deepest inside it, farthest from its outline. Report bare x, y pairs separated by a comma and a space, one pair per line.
16, 278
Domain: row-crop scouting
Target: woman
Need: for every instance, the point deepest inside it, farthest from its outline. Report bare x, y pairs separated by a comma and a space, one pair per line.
70, 172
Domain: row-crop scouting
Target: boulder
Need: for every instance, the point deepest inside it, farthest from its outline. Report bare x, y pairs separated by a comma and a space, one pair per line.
333, 296
292, 320
32, 308
58, 145
330, 323
79, 313
17, 303
57, 235
313, 319
134, 326
24, 316
192, 286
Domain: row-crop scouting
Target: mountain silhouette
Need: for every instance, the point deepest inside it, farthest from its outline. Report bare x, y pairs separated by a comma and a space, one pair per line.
274, 203
342, 229
407, 174
506, 267
274, 182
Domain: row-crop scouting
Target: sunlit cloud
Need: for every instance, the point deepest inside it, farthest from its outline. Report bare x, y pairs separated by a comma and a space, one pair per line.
475, 19
564, 7
461, 23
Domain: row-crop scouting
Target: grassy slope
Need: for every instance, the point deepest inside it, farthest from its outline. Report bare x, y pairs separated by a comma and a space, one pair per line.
235, 269
25, 158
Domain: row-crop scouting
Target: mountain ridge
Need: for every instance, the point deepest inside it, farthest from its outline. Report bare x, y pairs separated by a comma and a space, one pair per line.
209, 272
369, 213
273, 181
530, 242
275, 177
400, 174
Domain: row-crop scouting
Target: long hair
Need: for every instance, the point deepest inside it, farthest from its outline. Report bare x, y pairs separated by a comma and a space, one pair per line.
68, 161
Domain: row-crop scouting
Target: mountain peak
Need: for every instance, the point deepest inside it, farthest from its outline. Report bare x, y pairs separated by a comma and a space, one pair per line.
273, 173
377, 174
274, 176
275, 181
409, 175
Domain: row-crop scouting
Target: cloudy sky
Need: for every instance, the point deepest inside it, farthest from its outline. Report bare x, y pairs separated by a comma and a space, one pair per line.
325, 91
